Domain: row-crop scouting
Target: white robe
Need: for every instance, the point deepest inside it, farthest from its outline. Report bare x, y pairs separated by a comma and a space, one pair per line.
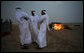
25, 35
42, 32
34, 27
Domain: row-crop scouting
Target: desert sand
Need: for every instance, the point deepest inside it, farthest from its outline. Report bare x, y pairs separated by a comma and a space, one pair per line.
58, 41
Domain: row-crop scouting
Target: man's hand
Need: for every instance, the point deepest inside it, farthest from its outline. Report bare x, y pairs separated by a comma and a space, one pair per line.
25, 18
42, 20
48, 29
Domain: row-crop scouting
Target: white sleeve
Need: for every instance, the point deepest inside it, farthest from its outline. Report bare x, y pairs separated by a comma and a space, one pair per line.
19, 20
47, 21
42, 18
26, 15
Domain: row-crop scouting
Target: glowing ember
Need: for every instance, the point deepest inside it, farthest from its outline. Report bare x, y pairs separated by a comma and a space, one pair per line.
57, 26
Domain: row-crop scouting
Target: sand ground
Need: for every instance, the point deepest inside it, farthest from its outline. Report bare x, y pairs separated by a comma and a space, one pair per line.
57, 41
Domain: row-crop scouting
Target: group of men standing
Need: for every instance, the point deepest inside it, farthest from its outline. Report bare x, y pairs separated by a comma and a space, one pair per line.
39, 34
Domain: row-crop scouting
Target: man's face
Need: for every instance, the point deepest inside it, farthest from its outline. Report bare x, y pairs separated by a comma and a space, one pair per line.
32, 12
42, 13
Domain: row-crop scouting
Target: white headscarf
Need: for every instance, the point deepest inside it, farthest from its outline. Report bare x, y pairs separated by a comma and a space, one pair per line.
45, 12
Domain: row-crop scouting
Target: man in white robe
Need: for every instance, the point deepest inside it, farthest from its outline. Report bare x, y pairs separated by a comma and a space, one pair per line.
34, 26
23, 20
44, 21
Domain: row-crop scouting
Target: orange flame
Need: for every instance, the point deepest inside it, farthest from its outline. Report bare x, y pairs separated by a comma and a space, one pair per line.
57, 26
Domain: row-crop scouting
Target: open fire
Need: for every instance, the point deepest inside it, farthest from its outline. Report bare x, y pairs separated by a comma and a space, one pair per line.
58, 26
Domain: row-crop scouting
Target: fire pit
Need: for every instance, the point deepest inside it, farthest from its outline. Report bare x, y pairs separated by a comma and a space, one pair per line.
58, 26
